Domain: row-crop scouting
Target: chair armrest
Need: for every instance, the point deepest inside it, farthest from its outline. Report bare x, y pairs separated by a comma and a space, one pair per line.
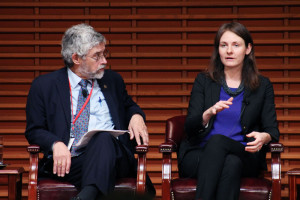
141, 150
276, 149
166, 149
33, 171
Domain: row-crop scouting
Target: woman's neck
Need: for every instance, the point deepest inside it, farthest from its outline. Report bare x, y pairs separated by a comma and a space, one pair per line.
233, 77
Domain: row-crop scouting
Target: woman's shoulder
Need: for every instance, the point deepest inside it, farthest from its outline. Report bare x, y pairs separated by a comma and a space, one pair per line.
264, 80
204, 75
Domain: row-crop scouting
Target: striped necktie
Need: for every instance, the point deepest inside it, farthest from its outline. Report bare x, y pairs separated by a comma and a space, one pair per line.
82, 123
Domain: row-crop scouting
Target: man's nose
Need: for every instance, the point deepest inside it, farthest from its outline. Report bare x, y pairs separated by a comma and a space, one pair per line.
103, 60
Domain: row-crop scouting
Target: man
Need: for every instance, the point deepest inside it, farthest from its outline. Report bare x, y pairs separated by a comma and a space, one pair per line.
64, 104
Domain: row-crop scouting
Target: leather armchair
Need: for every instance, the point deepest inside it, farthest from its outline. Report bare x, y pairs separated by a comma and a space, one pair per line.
185, 188
52, 189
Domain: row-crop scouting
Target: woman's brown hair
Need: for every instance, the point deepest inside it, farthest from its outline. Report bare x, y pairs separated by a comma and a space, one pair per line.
249, 72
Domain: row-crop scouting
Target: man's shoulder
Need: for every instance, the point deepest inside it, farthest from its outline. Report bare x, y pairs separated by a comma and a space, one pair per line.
52, 76
110, 75
109, 72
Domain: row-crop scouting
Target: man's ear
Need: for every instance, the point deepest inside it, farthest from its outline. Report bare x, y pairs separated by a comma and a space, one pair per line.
249, 48
76, 59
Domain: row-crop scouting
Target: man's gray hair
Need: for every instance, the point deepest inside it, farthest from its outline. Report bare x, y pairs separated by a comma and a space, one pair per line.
79, 39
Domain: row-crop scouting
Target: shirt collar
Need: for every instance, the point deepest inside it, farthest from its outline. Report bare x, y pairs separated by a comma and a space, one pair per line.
74, 79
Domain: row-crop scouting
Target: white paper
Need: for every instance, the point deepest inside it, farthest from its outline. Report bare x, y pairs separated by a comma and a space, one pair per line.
88, 135
70, 142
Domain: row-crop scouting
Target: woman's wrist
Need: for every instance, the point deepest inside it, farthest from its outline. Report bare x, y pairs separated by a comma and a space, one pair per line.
206, 117
267, 138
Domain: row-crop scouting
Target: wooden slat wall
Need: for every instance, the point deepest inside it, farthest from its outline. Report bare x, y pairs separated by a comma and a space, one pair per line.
158, 47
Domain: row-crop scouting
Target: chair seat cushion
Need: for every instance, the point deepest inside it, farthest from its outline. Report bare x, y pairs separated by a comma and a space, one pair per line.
127, 185
49, 189
58, 190
255, 188
251, 188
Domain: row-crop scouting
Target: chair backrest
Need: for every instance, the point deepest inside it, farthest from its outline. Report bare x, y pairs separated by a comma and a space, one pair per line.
175, 129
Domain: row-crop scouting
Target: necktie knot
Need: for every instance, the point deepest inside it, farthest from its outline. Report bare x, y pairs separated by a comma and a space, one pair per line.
83, 83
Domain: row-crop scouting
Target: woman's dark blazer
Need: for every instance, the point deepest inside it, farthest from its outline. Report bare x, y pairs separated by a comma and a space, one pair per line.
257, 114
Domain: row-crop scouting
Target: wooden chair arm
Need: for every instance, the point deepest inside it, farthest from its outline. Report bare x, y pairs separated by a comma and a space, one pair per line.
166, 149
141, 150
276, 149
33, 171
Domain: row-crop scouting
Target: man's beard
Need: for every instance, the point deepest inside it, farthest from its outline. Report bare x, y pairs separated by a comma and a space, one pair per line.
97, 74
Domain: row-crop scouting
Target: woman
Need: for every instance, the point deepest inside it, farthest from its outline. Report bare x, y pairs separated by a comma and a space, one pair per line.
231, 117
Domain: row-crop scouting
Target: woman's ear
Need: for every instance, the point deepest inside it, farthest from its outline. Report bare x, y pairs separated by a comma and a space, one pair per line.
249, 48
75, 59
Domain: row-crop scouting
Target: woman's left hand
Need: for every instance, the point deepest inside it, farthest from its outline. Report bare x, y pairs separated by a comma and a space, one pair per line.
261, 138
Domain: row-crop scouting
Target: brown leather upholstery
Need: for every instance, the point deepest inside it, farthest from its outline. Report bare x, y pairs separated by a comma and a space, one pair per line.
49, 189
185, 188
53, 189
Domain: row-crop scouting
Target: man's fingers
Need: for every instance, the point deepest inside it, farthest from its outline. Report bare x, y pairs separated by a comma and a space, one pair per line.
137, 138
63, 168
68, 165
145, 137
58, 168
54, 167
131, 133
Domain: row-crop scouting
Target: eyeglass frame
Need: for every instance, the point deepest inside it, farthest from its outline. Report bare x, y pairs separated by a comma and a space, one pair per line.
98, 57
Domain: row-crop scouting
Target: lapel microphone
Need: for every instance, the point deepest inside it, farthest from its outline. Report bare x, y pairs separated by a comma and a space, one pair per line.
84, 93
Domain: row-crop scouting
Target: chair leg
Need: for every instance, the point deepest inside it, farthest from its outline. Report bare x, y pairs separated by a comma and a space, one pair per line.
293, 187
166, 176
33, 171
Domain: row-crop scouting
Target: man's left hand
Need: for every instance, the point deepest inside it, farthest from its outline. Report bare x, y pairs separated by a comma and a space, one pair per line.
137, 129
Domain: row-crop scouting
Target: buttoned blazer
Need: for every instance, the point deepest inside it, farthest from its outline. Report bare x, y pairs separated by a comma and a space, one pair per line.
257, 114
48, 109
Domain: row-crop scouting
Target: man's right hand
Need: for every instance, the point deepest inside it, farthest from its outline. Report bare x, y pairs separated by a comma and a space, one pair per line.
61, 159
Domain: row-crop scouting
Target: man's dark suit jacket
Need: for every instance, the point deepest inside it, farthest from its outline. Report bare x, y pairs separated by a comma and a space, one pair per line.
258, 112
48, 108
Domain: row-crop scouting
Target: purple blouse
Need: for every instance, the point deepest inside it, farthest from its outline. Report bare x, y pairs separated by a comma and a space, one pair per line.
227, 122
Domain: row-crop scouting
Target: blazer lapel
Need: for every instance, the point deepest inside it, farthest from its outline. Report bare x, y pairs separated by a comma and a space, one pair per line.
245, 101
112, 105
215, 93
62, 85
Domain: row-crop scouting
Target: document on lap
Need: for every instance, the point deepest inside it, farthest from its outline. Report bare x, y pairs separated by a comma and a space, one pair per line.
88, 135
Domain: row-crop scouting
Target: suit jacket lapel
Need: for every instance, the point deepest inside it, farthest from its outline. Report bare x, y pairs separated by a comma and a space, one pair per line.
215, 93
245, 102
62, 85
112, 105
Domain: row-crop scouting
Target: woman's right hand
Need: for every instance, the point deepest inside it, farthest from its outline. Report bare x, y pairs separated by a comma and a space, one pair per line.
218, 107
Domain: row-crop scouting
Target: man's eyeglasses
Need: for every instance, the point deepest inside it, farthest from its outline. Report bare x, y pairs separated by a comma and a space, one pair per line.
100, 55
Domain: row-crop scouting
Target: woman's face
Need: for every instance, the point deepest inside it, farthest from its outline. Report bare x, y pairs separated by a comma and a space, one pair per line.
232, 50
